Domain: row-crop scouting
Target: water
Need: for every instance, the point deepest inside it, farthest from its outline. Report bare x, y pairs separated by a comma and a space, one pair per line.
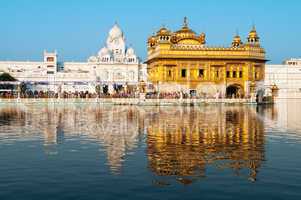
89, 151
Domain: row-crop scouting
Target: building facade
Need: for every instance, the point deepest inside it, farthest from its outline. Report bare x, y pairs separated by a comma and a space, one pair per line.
114, 68
286, 76
182, 61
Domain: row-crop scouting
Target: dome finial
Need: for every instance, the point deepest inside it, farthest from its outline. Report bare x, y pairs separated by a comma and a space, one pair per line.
253, 26
185, 24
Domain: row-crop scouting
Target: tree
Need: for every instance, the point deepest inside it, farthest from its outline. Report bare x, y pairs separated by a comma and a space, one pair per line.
7, 77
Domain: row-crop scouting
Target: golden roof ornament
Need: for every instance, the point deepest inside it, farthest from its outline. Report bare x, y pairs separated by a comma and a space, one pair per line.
253, 36
202, 38
185, 24
236, 40
163, 31
152, 41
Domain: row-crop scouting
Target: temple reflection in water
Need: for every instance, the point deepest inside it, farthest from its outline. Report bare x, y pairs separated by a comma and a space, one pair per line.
184, 142
116, 129
180, 142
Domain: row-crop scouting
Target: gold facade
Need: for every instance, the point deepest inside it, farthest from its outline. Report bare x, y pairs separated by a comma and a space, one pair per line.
181, 60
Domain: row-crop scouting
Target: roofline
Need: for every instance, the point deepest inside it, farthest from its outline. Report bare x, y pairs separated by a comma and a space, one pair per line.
183, 58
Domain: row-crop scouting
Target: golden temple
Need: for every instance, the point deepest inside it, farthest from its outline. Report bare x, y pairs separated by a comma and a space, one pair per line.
182, 61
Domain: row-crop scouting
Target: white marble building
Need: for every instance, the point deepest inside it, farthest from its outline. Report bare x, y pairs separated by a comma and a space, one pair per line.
286, 76
114, 67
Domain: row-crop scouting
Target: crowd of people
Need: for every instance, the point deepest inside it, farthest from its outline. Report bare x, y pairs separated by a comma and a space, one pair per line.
122, 94
66, 95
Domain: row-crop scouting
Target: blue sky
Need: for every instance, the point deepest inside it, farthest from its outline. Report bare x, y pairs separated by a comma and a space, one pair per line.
78, 28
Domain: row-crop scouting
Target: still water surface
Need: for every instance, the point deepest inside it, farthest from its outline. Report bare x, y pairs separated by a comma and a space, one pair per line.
86, 151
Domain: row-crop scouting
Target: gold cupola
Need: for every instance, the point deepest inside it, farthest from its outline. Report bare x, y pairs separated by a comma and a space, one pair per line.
163, 32
185, 31
187, 36
163, 35
236, 41
253, 36
151, 41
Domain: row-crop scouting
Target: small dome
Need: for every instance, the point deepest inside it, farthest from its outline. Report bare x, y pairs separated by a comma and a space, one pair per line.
236, 41
163, 31
130, 52
152, 39
104, 52
253, 36
92, 59
185, 29
253, 33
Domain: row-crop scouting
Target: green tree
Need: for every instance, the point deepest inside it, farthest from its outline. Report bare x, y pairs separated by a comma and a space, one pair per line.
6, 77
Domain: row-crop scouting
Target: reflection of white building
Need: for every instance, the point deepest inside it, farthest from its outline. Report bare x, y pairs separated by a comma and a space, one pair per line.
115, 65
116, 129
286, 76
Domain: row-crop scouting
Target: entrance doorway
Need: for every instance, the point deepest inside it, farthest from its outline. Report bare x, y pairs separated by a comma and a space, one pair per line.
234, 91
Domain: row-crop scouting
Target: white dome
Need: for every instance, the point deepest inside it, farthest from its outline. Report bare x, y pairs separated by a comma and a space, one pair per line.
103, 52
130, 52
92, 59
115, 32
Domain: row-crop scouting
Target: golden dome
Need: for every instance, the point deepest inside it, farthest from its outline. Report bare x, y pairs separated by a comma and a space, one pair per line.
163, 31
187, 36
253, 36
152, 41
253, 33
236, 41
185, 30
